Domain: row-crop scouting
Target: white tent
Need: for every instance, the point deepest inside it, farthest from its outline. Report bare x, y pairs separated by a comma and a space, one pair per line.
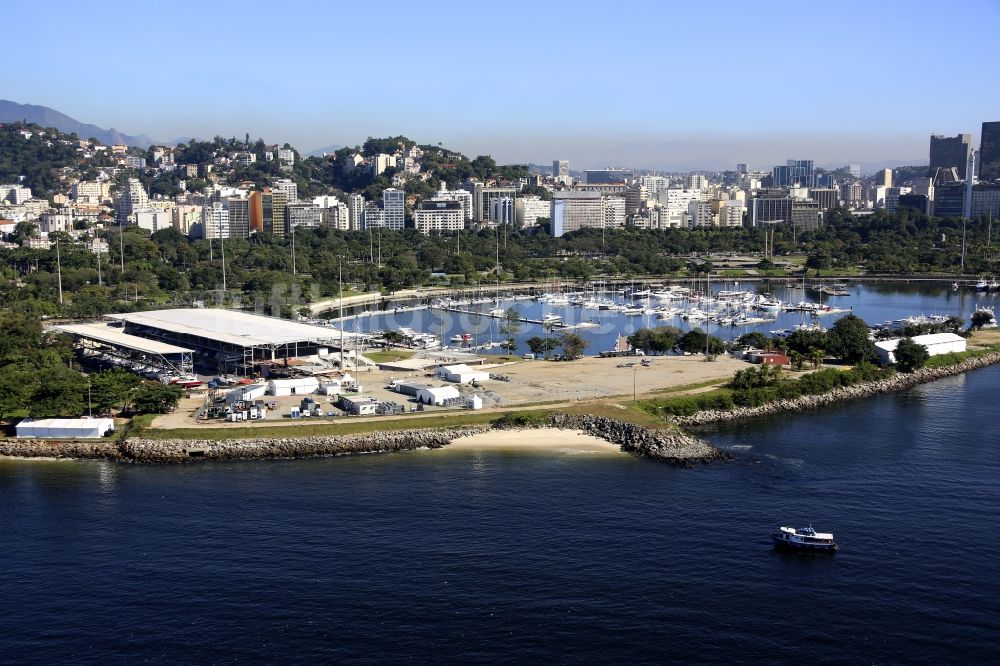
437, 395
474, 402
299, 386
65, 428
461, 374
936, 343
246, 393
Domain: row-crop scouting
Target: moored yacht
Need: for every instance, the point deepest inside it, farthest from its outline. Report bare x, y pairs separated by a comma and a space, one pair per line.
803, 538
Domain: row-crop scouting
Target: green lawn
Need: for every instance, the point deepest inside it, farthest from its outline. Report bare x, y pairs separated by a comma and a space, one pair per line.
390, 355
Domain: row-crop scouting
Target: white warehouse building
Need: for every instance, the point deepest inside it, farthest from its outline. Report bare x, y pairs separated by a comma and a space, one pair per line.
936, 344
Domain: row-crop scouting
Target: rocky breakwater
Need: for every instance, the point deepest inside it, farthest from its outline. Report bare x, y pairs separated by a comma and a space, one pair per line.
670, 445
896, 382
260, 448
43, 448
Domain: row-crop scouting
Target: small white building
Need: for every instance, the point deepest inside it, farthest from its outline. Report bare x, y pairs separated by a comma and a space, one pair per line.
936, 344
438, 395
65, 428
474, 402
461, 374
331, 387
297, 386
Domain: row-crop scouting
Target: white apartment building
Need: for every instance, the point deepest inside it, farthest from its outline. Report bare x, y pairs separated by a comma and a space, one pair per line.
528, 210
372, 217
185, 218
381, 162
464, 197
393, 208
614, 212
575, 210
676, 200
730, 213
654, 184
355, 212
215, 221
502, 210
151, 219
15, 194
696, 181
49, 222
287, 186
439, 215
245, 158
302, 214
133, 198
286, 155
336, 216
90, 191
700, 214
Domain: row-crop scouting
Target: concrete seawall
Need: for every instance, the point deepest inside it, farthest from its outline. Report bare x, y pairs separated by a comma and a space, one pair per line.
668, 445
897, 382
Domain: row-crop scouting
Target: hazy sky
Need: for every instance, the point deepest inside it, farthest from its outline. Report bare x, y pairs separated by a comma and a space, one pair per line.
646, 84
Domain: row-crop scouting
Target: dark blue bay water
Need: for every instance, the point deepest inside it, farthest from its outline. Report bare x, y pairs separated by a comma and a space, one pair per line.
518, 557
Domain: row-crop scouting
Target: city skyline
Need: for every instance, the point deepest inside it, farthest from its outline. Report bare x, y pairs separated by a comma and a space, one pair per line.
565, 85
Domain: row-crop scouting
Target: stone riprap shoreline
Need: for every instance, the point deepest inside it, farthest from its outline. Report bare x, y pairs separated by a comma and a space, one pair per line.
668, 445
896, 382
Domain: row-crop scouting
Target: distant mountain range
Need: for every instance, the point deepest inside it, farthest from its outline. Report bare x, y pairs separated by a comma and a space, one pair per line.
325, 150
46, 117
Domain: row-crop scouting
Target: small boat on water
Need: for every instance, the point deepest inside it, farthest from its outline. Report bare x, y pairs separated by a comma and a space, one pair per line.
803, 538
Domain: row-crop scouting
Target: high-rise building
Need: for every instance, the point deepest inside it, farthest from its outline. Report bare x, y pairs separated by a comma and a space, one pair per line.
393, 208
302, 214
239, 217
741, 169
654, 184
574, 210
794, 173
355, 211
287, 186
614, 212
949, 151
439, 215
827, 198
730, 213
502, 210
986, 201
373, 217
604, 176
560, 168
132, 199
989, 153
461, 196
883, 177
528, 210
267, 212
215, 221
697, 181
949, 199
854, 170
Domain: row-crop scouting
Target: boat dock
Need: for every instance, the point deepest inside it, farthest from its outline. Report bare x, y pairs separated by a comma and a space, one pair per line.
523, 320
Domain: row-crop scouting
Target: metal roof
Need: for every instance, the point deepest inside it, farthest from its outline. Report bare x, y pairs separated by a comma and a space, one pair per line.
233, 327
116, 336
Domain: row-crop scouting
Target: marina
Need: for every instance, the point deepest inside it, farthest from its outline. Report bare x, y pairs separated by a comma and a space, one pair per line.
727, 311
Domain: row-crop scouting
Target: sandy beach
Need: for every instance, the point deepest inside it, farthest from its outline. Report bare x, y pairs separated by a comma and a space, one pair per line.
539, 439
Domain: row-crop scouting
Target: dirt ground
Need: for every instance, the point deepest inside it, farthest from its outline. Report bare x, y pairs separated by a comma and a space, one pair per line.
530, 382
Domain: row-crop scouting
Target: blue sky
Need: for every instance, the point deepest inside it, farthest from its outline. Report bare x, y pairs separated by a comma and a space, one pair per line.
636, 84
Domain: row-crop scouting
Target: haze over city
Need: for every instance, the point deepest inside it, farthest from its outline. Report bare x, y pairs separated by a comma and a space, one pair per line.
656, 86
